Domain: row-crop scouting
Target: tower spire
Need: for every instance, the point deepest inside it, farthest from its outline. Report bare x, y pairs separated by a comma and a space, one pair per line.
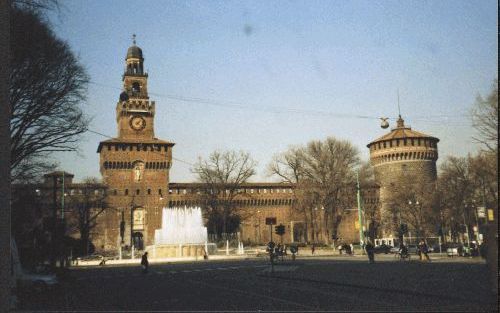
399, 108
400, 122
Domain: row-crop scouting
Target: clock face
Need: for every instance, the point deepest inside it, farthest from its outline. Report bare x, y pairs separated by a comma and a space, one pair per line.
137, 123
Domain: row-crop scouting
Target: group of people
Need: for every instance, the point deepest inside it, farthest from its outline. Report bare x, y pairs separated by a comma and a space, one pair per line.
422, 250
281, 250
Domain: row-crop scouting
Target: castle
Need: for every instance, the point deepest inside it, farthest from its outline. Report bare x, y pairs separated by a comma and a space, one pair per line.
136, 186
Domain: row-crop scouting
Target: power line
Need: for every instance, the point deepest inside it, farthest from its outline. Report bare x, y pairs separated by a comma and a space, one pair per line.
274, 109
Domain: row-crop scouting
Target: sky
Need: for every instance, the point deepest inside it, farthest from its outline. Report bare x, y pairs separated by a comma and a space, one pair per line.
261, 76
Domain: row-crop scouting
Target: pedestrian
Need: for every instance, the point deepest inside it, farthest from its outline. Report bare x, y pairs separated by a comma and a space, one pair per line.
425, 251
145, 263
369, 251
352, 249
312, 249
419, 250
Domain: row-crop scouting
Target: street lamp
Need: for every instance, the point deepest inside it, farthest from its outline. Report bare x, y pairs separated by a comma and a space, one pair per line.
418, 229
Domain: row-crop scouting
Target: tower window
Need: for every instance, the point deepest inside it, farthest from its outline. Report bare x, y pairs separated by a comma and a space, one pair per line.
159, 192
115, 192
149, 191
137, 191
126, 192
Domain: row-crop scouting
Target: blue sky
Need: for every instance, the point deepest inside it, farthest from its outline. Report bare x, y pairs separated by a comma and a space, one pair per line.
260, 76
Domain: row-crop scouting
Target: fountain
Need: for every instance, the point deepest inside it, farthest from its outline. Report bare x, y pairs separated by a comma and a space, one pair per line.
182, 234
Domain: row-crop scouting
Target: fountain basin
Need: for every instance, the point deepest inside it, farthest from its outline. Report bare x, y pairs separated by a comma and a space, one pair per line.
181, 250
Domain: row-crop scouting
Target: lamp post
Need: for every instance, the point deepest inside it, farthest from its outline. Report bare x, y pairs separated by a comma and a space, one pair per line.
466, 227
358, 196
418, 230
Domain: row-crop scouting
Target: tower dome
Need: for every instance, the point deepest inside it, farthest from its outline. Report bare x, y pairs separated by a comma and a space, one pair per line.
134, 52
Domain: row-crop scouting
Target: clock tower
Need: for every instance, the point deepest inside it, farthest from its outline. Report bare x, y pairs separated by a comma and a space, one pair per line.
135, 165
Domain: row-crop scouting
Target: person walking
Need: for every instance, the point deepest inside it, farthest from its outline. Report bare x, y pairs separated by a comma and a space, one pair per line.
419, 250
145, 263
312, 249
425, 251
369, 251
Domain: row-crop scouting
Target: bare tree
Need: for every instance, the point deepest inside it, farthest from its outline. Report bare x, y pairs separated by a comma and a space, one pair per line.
47, 84
371, 208
485, 119
325, 178
288, 166
414, 204
85, 207
329, 166
223, 174
464, 184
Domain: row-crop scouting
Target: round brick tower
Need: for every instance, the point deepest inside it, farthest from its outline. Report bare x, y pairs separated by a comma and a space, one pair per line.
401, 152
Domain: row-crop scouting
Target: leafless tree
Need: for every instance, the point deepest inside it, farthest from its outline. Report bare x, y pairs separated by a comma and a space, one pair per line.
325, 178
464, 184
288, 166
330, 167
47, 84
414, 204
223, 174
485, 119
84, 209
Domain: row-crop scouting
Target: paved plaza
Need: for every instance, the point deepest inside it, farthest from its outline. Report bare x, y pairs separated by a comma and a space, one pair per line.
307, 284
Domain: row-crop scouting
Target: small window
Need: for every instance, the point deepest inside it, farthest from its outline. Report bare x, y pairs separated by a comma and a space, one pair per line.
170, 191
126, 192
115, 192
149, 191
137, 191
159, 192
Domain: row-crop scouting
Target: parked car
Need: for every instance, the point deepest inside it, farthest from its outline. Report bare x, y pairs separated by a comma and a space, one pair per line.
454, 250
383, 248
395, 249
412, 249
93, 257
36, 282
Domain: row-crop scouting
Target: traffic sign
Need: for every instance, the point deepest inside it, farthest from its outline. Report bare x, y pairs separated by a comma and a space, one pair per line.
481, 212
270, 220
